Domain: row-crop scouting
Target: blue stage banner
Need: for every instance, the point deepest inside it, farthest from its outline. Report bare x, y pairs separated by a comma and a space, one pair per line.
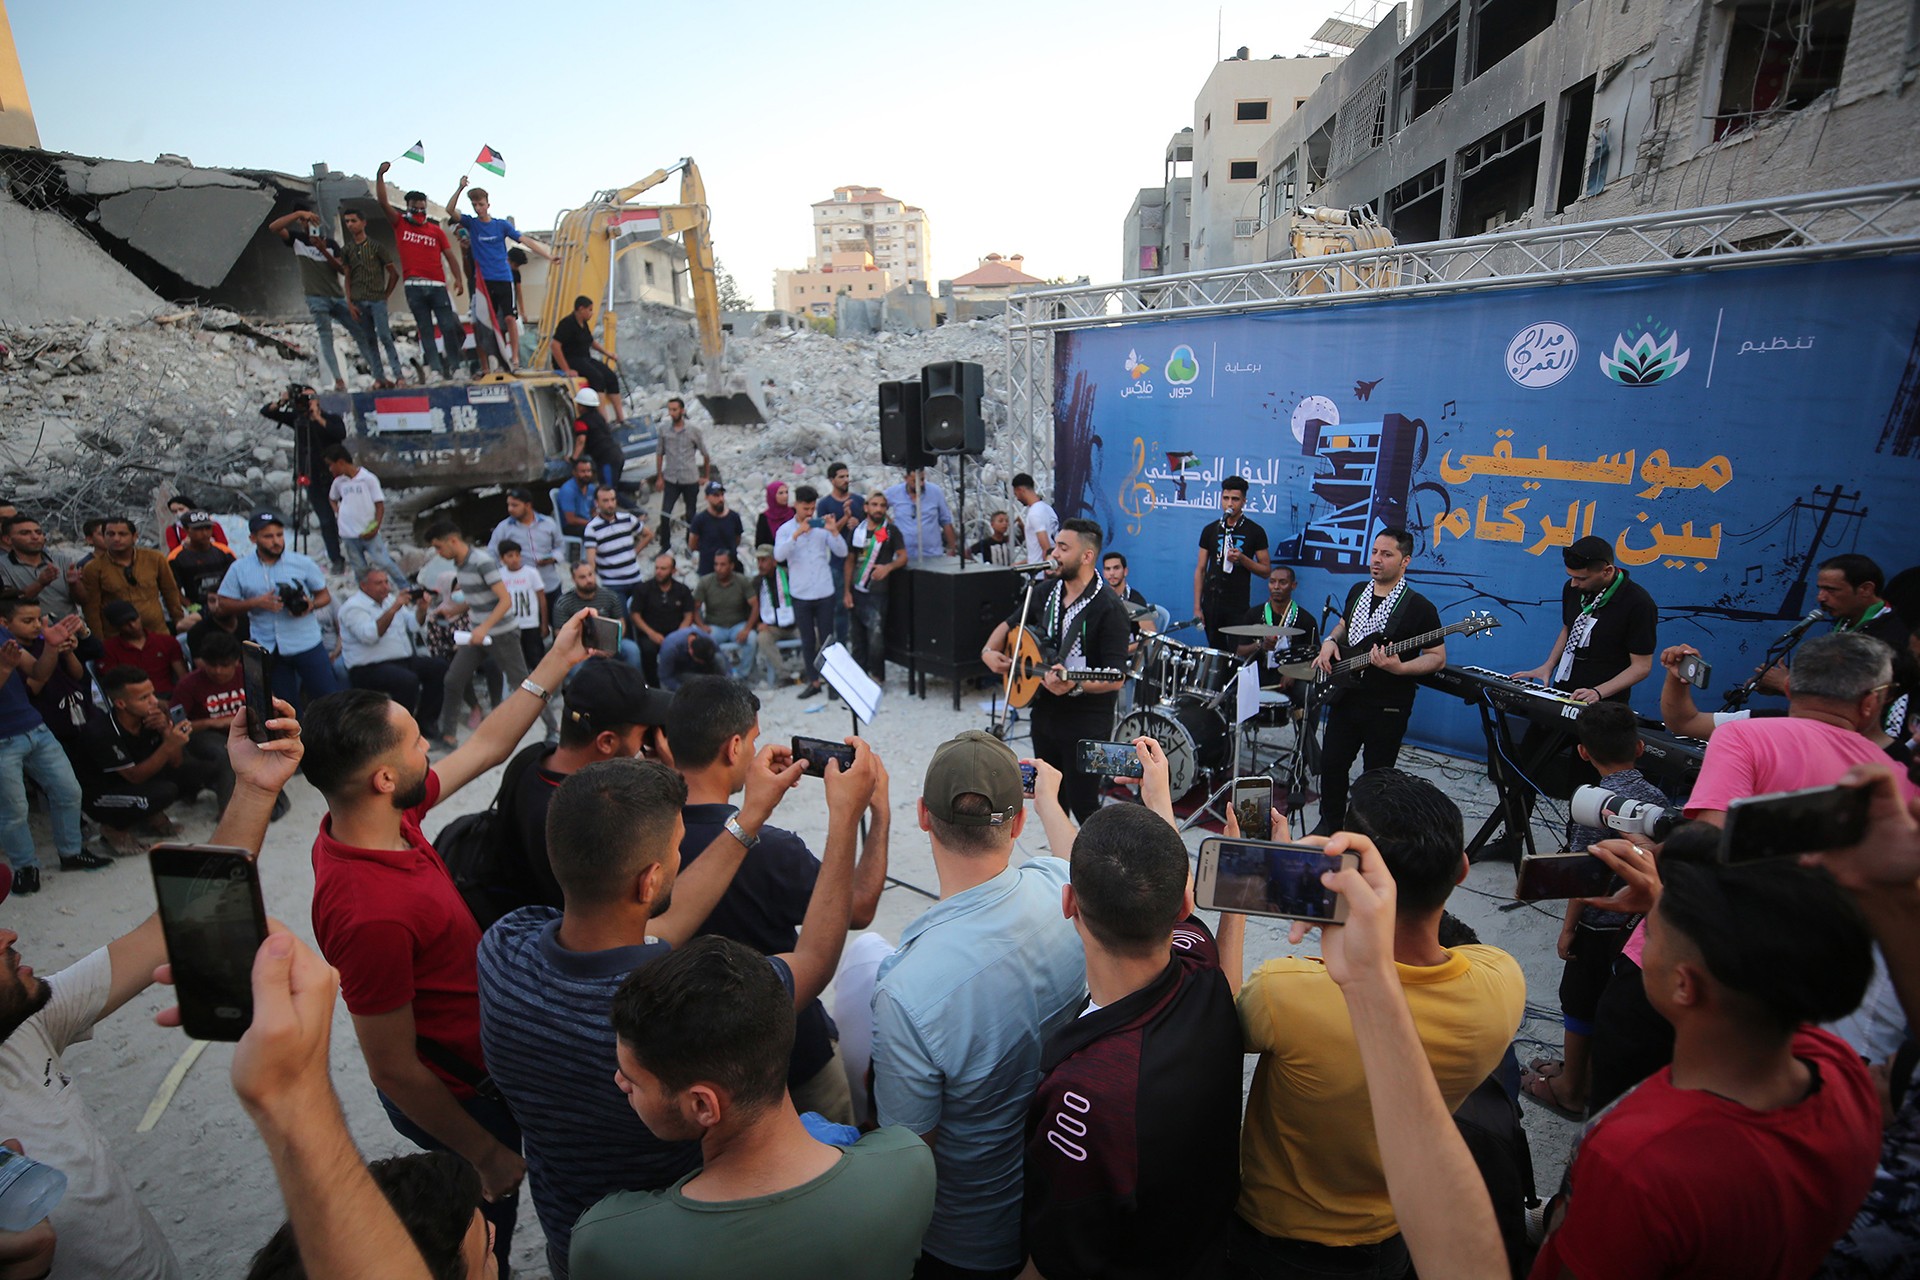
1725, 431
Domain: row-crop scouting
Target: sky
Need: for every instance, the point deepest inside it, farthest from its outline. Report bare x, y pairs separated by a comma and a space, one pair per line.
1019, 127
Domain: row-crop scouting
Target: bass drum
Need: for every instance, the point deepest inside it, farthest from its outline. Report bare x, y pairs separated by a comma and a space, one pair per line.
1193, 736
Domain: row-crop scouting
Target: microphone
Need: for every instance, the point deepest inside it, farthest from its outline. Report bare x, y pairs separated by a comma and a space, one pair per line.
1037, 566
1800, 627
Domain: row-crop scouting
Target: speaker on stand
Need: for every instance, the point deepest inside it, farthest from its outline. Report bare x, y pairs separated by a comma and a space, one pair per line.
900, 426
950, 421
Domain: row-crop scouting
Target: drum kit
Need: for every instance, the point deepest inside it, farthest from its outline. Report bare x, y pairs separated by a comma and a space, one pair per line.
1183, 703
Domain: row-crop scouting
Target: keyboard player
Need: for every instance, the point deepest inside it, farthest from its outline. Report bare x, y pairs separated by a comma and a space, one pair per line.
1605, 647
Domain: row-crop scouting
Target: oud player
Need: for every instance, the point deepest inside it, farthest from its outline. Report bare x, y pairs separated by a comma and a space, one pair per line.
1371, 707
1080, 623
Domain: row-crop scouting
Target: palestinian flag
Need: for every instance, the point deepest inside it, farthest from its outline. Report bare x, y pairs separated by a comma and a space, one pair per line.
492, 161
416, 153
402, 413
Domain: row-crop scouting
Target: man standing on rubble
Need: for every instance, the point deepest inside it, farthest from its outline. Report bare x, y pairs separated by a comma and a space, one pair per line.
487, 236
320, 272
424, 245
372, 271
314, 432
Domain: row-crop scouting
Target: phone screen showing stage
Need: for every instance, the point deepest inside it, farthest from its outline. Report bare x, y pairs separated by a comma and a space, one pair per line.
1271, 880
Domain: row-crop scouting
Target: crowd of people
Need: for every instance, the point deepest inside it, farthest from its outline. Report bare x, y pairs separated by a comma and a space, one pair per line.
605, 990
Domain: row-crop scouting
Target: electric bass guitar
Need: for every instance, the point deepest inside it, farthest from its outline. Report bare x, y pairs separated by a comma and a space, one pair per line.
1031, 661
1349, 670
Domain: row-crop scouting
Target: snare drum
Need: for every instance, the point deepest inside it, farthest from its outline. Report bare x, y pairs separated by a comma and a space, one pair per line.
1209, 673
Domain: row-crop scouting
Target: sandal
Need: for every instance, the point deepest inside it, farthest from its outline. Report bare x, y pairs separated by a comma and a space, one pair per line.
1547, 1068
1540, 1089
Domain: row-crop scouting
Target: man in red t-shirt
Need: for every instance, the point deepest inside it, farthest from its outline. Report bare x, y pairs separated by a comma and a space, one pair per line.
131, 645
387, 915
423, 246
1750, 1154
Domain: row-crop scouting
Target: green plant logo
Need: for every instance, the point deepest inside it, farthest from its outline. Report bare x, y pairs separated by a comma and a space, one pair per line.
1183, 365
1645, 355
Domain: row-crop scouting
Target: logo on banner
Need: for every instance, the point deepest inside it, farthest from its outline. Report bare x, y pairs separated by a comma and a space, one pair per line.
1645, 355
1542, 354
1135, 366
1183, 366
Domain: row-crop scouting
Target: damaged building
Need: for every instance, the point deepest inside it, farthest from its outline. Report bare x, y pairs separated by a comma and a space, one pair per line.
1456, 119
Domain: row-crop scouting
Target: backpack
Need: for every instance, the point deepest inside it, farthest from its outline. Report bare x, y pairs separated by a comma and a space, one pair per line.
481, 851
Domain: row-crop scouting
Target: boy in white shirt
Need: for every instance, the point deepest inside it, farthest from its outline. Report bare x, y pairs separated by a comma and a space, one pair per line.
529, 616
359, 506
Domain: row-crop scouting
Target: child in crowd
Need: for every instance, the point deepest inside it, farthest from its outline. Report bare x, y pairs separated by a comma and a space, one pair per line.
1608, 734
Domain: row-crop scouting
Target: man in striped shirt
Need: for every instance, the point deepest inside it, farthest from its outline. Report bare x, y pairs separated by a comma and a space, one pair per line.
548, 978
613, 540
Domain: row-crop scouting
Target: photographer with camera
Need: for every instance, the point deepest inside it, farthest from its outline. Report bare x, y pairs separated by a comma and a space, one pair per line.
279, 590
314, 432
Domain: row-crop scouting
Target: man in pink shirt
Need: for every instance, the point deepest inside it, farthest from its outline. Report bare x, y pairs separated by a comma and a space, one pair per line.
1840, 686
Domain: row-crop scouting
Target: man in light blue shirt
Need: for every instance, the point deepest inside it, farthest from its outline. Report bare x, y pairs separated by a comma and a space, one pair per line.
961, 1010
280, 591
539, 538
921, 511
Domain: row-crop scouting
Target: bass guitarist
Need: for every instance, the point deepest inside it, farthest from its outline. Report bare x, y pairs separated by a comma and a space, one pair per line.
1371, 712
1085, 625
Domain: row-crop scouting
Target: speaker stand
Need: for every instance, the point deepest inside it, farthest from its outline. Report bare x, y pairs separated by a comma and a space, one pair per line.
963, 513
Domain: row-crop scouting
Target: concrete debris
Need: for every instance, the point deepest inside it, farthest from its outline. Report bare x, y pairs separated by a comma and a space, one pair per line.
50, 270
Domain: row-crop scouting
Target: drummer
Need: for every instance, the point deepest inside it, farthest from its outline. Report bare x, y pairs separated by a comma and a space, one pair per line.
1280, 610
1114, 569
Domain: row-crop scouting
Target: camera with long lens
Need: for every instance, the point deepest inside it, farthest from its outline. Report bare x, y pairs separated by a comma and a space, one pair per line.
1607, 811
299, 396
294, 598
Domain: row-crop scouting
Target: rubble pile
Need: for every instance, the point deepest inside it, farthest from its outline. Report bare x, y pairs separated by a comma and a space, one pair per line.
109, 417
820, 394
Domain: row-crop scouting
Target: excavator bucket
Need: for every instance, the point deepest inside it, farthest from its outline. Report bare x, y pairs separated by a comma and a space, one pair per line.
734, 409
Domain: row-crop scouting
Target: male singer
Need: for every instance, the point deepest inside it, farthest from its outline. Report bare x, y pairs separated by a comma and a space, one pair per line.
1232, 562
1080, 623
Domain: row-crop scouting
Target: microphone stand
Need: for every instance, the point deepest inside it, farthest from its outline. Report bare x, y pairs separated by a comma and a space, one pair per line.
1003, 714
1777, 652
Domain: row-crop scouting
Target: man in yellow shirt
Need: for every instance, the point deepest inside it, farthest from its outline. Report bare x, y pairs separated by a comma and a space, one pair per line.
1313, 1194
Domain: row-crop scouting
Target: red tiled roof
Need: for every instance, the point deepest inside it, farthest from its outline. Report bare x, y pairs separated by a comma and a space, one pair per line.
991, 273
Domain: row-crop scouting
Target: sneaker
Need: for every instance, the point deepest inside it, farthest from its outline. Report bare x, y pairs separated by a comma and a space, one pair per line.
26, 880
85, 860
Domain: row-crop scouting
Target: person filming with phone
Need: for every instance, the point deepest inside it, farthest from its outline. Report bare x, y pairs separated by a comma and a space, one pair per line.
1313, 1194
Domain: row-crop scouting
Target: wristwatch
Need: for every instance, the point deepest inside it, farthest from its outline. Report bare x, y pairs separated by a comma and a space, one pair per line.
739, 833
543, 694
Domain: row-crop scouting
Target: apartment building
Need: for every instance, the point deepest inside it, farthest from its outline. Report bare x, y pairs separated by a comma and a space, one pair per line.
844, 271
1455, 119
866, 218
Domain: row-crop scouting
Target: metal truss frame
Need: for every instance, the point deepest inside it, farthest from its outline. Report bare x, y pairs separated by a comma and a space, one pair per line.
1857, 222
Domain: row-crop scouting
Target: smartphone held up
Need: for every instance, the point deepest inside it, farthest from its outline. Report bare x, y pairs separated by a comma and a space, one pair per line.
1265, 878
817, 751
214, 921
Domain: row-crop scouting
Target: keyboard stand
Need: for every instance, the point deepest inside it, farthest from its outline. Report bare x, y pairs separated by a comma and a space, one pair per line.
1511, 781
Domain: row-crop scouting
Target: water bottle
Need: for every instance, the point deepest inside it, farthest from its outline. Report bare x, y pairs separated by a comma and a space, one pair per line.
29, 1190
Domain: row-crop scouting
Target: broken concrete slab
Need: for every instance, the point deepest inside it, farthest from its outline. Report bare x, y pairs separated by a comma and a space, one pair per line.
49, 271
195, 232
112, 177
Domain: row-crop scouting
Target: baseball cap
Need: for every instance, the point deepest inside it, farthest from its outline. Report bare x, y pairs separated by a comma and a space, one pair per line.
764, 549
714, 486
606, 693
587, 396
1588, 551
119, 612
261, 519
973, 763
199, 519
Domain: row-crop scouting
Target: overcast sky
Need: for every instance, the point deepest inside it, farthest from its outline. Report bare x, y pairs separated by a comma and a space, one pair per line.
1019, 127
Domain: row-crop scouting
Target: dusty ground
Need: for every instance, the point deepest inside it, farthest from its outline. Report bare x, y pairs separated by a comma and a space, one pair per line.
202, 1170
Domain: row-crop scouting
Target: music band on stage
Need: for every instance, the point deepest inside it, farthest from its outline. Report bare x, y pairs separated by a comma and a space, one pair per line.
1077, 641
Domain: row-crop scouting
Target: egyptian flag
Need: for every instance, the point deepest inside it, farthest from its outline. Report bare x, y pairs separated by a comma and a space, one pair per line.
402, 413
492, 161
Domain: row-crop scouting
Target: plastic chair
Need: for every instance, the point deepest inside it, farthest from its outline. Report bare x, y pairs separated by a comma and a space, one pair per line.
576, 550
1161, 618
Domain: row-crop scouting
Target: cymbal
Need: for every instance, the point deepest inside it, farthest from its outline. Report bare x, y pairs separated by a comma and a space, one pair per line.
1260, 631
1138, 611
1299, 670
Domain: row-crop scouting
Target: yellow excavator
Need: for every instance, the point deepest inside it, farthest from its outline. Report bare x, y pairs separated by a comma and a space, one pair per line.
591, 239
513, 429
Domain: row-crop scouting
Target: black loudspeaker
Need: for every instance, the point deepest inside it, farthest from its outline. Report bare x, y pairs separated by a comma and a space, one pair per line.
900, 425
950, 419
